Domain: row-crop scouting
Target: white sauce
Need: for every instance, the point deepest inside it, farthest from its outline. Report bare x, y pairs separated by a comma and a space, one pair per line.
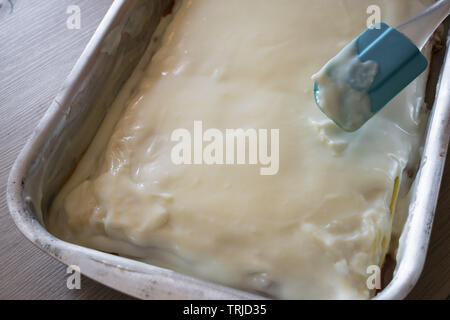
343, 85
312, 230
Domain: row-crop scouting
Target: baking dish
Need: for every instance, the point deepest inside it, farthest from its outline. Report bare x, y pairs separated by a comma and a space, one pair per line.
71, 122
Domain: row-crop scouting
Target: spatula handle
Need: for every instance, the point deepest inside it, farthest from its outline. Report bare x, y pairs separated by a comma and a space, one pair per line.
420, 28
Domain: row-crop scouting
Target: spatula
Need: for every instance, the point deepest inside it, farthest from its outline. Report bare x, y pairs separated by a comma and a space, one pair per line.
370, 71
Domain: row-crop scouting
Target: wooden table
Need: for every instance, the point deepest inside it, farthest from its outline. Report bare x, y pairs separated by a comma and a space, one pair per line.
37, 52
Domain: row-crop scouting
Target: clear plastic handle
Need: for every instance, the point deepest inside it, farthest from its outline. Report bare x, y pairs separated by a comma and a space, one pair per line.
420, 28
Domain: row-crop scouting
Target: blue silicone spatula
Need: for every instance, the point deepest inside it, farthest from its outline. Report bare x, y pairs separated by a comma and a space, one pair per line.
375, 67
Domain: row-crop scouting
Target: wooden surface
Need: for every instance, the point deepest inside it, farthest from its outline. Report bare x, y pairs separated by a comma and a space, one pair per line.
37, 51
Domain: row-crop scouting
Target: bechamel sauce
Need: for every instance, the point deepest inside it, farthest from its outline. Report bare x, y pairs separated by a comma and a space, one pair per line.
312, 230
343, 85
